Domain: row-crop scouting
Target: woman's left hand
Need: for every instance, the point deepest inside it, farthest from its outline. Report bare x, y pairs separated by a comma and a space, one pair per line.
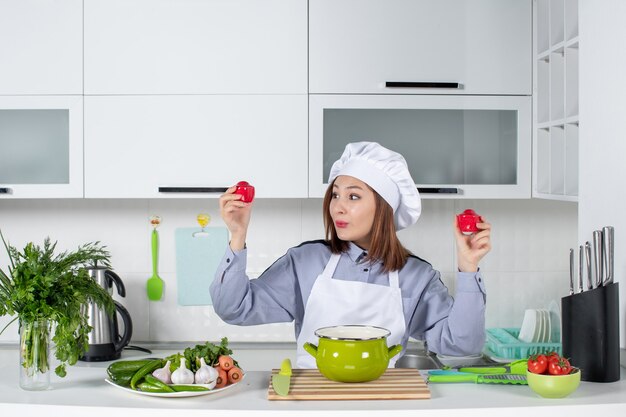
471, 249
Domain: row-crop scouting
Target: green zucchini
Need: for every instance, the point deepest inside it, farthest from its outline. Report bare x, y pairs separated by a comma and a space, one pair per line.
122, 379
125, 367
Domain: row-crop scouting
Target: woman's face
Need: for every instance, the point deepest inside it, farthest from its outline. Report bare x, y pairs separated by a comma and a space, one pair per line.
352, 209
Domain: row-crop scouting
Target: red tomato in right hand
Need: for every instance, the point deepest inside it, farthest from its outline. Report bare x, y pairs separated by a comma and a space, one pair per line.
245, 190
537, 364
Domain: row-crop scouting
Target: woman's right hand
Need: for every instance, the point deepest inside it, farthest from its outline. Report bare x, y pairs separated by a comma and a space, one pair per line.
236, 215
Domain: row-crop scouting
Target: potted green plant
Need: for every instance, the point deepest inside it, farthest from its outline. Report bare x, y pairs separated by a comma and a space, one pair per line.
46, 293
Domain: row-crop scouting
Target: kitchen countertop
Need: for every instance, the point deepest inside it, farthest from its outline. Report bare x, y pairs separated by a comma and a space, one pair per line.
84, 392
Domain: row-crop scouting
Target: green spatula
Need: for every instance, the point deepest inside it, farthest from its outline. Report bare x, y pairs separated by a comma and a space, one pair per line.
154, 285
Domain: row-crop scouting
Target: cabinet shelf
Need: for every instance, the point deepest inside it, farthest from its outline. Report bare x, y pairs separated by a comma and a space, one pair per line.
556, 98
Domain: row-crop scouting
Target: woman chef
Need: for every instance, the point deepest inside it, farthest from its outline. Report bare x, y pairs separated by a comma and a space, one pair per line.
361, 274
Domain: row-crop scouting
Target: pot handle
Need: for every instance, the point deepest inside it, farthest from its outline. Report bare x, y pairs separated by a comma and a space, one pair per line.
394, 350
311, 348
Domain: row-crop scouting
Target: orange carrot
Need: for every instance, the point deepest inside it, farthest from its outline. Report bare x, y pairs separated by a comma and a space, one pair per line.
225, 362
222, 378
234, 375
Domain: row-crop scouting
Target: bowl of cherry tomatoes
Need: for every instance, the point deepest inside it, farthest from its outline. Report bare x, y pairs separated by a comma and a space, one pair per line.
552, 376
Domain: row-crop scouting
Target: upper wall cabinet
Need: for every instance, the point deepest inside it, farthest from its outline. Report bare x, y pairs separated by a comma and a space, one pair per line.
41, 146
195, 47
423, 46
41, 48
195, 145
455, 146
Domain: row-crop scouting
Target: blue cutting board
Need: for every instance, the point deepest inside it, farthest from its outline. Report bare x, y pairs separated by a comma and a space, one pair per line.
197, 259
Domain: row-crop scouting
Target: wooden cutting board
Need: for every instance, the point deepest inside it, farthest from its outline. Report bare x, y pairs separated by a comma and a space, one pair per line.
394, 384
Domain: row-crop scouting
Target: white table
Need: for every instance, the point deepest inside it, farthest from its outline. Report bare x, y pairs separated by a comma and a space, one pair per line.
84, 393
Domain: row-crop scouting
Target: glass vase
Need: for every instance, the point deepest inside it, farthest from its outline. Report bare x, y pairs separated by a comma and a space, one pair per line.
35, 355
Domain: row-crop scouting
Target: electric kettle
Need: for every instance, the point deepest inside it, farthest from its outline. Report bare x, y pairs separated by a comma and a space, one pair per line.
105, 341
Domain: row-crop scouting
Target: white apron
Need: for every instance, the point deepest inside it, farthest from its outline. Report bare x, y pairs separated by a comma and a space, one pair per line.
335, 302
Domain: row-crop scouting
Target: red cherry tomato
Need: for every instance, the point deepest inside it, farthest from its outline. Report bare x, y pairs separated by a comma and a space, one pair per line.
552, 354
538, 364
245, 190
560, 366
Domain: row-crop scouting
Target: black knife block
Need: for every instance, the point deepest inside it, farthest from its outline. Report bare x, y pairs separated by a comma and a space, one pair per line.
590, 332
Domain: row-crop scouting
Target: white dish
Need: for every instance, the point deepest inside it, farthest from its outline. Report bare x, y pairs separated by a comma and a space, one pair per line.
555, 321
529, 326
549, 329
537, 338
175, 394
455, 361
545, 338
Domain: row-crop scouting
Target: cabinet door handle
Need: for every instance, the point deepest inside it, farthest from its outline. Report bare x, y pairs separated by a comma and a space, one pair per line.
426, 190
192, 189
422, 84
6, 190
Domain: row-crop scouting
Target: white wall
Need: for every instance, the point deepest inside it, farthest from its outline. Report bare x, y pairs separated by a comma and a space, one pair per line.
527, 267
602, 165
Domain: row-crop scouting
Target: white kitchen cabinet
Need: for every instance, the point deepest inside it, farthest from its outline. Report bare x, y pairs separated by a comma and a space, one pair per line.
357, 46
41, 47
136, 145
41, 146
556, 120
195, 47
455, 146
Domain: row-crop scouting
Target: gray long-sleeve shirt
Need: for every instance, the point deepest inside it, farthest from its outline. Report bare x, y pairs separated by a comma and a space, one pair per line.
450, 326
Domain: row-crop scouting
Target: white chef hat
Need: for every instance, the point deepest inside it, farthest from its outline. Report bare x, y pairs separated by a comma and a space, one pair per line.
387, 173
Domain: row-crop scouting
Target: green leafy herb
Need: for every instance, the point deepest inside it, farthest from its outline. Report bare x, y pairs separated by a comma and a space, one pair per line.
41, 285
209, 351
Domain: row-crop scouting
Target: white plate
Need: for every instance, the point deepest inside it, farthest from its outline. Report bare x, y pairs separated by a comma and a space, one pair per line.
548, 337
555, 322
539, 327
454, 361
529, 326
175, 394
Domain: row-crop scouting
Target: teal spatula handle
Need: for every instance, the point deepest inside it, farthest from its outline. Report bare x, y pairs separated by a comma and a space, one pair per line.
155, 251
458, 377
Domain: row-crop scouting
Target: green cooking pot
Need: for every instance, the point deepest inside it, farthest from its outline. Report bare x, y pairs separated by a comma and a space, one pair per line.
352, 353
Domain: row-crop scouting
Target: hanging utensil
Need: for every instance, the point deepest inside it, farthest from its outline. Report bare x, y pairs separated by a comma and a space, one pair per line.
154, 286
589, 269
598, 255
608, 235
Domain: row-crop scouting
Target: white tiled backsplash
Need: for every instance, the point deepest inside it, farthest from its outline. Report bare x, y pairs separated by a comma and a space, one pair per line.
527, 267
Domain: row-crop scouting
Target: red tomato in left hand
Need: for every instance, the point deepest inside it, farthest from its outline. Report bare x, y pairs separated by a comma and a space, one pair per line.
559, 366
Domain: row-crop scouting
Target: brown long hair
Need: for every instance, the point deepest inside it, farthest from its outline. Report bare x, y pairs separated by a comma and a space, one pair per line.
384, 244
